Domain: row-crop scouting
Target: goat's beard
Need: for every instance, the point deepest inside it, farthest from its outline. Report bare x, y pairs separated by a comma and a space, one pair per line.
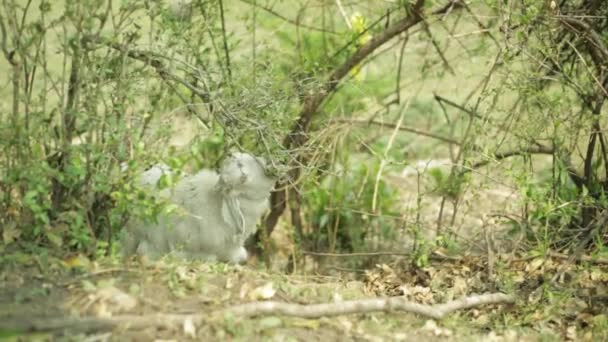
233, 215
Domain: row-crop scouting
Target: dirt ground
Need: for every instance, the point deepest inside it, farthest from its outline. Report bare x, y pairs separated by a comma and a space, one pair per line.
45, 298
31, 300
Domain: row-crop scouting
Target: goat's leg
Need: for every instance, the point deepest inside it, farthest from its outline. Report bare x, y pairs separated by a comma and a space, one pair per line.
128, 243
236, 255
147, 249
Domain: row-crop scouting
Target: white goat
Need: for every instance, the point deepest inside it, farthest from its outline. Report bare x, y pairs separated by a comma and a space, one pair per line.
150, 177
220, 212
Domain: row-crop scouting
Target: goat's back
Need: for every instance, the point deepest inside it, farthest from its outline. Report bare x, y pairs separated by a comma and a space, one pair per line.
198, 222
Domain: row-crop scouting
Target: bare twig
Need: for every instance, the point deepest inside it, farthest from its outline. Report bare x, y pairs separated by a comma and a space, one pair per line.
401, 128
400, 67
470, 112
446, 63
344, 15
460, 159
433, 255
481, 25
512, 153
588, 33
154, 61
390, 304
94, 324
385, 158
254, 45
287, 20
4, 39
570, 258
583, 258
225, 41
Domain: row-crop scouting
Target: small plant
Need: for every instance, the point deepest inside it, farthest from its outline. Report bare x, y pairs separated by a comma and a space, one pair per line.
341, 209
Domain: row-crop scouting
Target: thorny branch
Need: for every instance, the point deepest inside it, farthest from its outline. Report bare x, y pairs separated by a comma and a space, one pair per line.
156, 61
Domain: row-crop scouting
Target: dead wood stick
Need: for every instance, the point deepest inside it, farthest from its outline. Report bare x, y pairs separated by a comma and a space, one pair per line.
389, 304
581, 258
95, 324
434, 255
254, 309
555, 255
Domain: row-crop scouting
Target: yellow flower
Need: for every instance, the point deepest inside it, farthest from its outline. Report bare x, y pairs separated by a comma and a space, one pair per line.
359, 25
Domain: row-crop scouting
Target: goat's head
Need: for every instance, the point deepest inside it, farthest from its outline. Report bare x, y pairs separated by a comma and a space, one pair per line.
245, 176
242, 177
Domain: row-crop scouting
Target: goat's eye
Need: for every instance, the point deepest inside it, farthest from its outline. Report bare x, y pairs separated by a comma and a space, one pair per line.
271, 171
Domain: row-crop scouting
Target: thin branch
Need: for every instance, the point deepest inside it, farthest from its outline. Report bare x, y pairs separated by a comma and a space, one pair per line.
386, 154
344, 15
287, 20
225, 41
537, 149
589, 34
399, 68
600, 65
3, 40
254, 25
503, 155
446, 63
401, 128
359, 35
23, 17
449, 7
471, 112
153, 61
483, 27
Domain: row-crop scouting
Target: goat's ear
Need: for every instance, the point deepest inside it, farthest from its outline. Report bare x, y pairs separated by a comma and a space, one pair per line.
232, 214
230, 152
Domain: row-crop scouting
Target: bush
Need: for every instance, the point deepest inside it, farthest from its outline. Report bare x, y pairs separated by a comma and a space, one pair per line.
97, 88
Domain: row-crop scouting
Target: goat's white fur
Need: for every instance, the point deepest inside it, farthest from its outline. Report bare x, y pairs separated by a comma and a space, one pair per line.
219, 211
150, 177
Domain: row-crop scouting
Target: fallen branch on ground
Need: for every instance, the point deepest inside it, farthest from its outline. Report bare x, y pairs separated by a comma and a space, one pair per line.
434, 255
360, 306
555, 255
255, 309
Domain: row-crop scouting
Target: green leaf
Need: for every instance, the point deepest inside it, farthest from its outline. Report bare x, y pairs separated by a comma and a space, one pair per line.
55, 239
270, 322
